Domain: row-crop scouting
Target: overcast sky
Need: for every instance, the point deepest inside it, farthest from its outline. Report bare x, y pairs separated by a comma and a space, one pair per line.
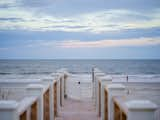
79, 29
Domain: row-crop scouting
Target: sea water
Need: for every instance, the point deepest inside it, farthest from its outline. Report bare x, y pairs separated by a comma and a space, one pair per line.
37, 69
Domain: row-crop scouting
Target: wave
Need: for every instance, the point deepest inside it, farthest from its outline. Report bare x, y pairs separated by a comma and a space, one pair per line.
80, 72
34, 73
5, 73
25, 73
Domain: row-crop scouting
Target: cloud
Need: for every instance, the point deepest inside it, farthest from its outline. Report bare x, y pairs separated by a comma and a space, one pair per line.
94, 22
8, 3
41, 43
132, 42
73, 7
110, 43
97, 21
11, 19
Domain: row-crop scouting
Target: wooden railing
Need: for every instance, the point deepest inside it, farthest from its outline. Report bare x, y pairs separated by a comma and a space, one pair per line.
124, 116
46, 104
99, 84
61, 91
117, 112
132, 88
34, 111
23, 116
55, 99
105, 105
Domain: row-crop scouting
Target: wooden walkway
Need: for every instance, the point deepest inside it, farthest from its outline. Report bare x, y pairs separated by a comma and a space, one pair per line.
82, 108
77, 110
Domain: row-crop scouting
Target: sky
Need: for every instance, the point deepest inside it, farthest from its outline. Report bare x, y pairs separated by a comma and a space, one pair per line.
79, 29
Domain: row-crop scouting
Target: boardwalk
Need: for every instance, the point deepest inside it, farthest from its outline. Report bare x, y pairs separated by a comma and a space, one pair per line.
82, 108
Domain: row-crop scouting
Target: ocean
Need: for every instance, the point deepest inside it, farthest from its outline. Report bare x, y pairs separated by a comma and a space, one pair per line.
37, 69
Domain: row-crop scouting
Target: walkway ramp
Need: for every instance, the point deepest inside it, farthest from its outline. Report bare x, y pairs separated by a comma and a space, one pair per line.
79, 104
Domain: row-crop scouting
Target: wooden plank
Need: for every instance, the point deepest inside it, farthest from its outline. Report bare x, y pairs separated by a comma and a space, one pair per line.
34, 111
23, 116
61, 92
123, 116
117, 112
46, 105
99, 98
55, 99
105, 105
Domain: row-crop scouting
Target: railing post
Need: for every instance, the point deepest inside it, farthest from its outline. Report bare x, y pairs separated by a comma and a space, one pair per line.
8, 110
113, 90
58, 93
51, 91
93, 84
104, 81
37, 90
141, 110
96, 90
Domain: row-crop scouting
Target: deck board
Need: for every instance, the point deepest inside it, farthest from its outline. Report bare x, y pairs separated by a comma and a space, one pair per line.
82, 108
77, 110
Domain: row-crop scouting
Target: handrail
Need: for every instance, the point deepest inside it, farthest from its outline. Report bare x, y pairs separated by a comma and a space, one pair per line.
43, 90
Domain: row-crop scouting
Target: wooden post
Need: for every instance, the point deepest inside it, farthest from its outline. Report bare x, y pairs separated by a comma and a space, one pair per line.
105, 105
117, 112
37, 90
61, 92
123, 116
99, 103
55, 99
105, 80
50, 81
97, 91
46, 104
34, 110
113, 90
23, 116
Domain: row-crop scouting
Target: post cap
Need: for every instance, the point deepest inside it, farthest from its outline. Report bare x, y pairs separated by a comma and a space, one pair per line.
140, 104
49, 79
105, 78
116, 86
30, 86
8, 104
100, 74
96, 70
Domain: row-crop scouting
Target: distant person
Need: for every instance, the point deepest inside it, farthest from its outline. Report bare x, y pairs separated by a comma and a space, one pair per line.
127, 78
